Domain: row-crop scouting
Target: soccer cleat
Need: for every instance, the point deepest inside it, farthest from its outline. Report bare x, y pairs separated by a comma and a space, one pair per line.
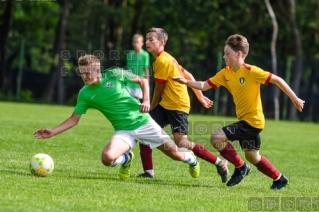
194, 170
125, 170
222, 169
239, 175
146, 175
278, 184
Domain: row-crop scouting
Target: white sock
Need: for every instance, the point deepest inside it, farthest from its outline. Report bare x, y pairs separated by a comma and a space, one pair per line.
189, 157
120, 160
217, 160
278, 178
150, 171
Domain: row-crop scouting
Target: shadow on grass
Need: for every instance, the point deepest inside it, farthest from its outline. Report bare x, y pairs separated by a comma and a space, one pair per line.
142, 181
17, 173
113, 178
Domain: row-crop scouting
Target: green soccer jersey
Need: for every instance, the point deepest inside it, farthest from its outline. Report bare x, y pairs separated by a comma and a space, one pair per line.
137, 62
112, 99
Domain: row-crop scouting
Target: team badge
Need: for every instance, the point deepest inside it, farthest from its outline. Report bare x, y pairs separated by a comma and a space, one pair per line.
242, 80
108, 84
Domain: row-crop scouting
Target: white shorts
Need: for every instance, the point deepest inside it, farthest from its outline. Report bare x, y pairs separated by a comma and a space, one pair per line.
150, 134
136, 92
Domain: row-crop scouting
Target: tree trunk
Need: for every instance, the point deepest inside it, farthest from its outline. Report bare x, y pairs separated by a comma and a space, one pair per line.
138, 7
4, 29
274, 56
299, 61
113, 36
312, 91
57, 76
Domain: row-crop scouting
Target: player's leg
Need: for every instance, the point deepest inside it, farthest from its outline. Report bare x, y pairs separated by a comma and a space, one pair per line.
251, 149
152, 135
219, 140
170, 149
145, 151
158, 115
117, 152
179, 125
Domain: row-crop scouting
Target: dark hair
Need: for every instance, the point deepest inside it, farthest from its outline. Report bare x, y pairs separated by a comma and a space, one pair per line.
238, 43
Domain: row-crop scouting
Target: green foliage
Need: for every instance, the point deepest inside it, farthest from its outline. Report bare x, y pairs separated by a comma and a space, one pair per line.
27, 96
36, 22
197, 31
81, 183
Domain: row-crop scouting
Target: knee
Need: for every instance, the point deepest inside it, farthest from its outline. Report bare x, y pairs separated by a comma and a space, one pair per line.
184, 144
107, 159
217, 141
182, 141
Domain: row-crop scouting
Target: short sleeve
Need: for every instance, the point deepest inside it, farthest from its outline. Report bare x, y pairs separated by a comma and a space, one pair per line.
123, 75
181, 68
217, 80
81, 105
161, 72
260, 75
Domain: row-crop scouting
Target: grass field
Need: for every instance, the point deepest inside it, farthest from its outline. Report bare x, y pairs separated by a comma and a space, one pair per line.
81, 183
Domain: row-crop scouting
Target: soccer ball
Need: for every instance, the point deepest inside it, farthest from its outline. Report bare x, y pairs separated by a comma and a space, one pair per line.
41, 165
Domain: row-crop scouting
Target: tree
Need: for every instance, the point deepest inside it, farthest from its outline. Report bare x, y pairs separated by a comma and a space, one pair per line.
299, 60
292, 21
274, 56
5, 29
56, 75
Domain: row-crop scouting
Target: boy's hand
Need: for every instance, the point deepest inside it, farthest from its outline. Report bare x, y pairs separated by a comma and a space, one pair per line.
206, 102
299, 103
145, 107
180, 79
43, 133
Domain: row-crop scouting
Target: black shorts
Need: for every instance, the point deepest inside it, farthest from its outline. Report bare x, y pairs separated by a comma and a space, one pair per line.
247, 135
177, 119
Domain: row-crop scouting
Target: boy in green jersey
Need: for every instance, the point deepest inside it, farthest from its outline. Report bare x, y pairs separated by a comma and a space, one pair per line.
138, 62
106, 92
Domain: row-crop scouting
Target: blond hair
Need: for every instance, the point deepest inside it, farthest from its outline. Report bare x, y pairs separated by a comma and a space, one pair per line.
238, 43
136, 36
88, 60
161, 33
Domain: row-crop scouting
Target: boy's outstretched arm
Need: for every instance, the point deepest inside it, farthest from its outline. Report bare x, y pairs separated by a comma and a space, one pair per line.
206, 102
299, 103
200, 85
67, 124
143, 82
158, 90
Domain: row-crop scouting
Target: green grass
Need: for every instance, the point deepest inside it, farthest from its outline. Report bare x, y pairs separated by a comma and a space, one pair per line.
81, 183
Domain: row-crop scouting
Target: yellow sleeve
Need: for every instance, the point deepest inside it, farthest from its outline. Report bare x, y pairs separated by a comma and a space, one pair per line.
160, 72
260, 75
217, 80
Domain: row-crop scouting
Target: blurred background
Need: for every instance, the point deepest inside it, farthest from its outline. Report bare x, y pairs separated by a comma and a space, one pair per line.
40, 42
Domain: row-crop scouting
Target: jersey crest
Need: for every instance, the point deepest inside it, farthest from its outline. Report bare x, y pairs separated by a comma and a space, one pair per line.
242, 80
108, 84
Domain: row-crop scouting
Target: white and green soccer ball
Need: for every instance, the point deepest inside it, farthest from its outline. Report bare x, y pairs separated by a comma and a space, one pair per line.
41, 165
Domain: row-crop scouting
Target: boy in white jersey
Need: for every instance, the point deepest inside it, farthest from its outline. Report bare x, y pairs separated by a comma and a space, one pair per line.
107, 93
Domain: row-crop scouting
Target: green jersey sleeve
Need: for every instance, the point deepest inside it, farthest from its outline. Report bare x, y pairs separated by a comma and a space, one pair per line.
147, 59
81, 106
123, 75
